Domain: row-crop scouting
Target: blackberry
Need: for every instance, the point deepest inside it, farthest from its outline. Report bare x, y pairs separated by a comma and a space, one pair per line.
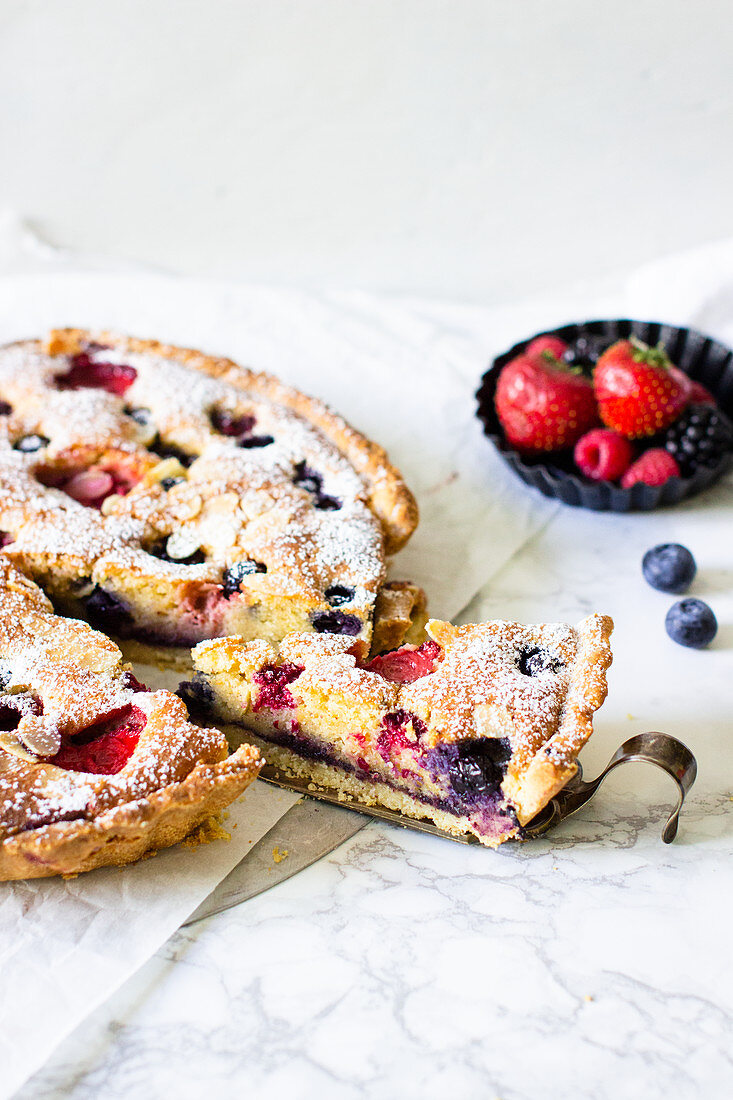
585, 352
699, 437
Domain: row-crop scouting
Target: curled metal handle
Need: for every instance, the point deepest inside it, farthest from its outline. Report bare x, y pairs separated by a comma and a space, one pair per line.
660, 749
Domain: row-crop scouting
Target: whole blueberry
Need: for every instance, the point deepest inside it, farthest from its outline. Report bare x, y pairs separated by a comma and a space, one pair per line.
196, 693
533, 661
669, 567
692, 623
336, 622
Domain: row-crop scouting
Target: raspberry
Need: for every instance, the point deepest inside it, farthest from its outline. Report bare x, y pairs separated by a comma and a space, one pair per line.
602, 454
653, 468
405, 665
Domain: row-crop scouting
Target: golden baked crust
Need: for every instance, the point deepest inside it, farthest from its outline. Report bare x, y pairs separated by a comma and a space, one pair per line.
495, 709
66, 700
168, 496
389, 497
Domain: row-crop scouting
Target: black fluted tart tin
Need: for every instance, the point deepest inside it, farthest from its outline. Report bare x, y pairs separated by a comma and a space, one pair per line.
705, 360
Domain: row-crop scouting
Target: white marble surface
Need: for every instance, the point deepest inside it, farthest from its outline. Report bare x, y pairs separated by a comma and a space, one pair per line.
595, 962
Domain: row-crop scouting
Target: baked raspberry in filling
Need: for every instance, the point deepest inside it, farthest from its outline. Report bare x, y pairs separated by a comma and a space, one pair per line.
87, 373
105, 747
201, 500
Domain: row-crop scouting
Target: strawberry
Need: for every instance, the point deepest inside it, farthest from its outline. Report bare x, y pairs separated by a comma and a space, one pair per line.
639, 392
543, 344
701, 395
654, 467
542, 404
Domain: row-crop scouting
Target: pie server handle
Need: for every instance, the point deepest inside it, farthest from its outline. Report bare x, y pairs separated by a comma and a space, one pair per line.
660, 749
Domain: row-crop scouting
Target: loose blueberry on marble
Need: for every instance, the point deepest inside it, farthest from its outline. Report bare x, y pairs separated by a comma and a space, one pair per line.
5, 408
196, 693
29, 443
235, 574
339, 594
691, 623
336, 622
107, 612
533, 661
669, 567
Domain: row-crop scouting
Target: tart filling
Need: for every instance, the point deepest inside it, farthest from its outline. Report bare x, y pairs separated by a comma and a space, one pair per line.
94, 768
476, 729
169, 497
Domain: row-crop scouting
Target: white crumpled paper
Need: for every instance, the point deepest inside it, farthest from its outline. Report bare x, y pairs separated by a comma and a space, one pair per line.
67, 945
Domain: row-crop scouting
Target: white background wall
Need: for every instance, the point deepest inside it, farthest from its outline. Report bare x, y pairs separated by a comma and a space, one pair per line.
465, 148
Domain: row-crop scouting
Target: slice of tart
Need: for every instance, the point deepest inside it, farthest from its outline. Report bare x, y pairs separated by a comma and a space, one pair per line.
167, 496
94, 768
475, 730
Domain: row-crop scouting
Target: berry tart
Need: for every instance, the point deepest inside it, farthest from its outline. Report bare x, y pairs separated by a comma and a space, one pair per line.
475, 730
169, 497
94, 769
615, 415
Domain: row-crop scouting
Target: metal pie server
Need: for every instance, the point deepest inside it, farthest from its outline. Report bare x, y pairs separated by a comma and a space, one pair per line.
312, 829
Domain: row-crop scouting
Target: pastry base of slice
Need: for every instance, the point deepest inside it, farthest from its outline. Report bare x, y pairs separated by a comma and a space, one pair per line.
493, 828
127, 833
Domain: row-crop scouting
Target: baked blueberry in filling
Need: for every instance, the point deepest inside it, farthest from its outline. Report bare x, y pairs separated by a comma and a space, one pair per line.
5, 539
160, 550
310, 480
250, 442
29, 443
338, 594
196, 693
336, 622
140, 416
5, 408
235, 574
533, 661
168, 482
170, 450
476, 769
306, 478
15, 707
107, 612
6, 675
